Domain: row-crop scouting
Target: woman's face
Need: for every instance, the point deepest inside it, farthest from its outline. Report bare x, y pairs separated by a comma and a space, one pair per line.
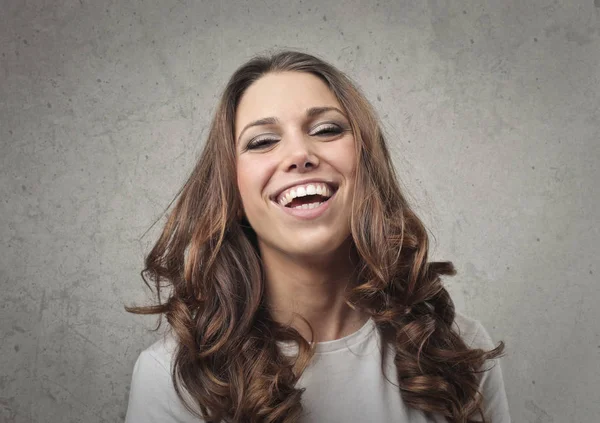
303, 148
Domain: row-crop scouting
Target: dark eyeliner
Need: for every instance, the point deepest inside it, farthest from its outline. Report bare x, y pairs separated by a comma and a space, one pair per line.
327, 129
259, 143
330, 128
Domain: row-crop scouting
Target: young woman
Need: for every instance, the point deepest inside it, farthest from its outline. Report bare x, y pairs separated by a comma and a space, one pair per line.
298, 286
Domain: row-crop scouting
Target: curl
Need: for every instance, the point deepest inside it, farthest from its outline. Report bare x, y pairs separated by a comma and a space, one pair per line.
228, 365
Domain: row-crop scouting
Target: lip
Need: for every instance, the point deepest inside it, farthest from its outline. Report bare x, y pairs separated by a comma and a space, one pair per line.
333, 184
307, 214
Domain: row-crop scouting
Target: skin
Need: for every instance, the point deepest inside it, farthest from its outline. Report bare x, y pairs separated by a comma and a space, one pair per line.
307, 263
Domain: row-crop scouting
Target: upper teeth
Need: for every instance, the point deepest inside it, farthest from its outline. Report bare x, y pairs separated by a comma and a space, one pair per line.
303, 190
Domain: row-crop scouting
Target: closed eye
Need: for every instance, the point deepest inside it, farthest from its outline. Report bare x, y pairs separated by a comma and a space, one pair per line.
260, 143
330, 129
326, 131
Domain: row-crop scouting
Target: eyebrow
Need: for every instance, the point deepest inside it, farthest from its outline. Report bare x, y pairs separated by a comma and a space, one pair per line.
310, 112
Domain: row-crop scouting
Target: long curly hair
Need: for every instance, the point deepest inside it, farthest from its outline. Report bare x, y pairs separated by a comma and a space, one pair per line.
207, 265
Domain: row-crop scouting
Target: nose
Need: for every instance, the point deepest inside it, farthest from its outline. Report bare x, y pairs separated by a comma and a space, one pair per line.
299, 156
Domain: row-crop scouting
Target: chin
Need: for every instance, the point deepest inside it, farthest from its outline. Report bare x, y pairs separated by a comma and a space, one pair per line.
317, 247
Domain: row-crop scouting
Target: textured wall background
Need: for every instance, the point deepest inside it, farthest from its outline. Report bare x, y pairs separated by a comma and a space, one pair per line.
492, 112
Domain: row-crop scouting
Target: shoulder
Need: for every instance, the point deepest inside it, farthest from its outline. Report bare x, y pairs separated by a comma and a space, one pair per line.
491, 381
155, 363
162, 352
472, 332
152, 395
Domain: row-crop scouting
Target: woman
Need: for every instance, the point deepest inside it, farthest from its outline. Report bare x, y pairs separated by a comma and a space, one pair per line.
299, 286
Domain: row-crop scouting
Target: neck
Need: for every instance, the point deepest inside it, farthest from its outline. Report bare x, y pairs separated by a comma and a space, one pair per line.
301, 290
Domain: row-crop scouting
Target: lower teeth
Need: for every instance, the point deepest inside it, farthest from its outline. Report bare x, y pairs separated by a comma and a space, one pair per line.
308, 206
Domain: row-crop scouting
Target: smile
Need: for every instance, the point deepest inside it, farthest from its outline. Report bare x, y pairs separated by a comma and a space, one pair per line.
308, 211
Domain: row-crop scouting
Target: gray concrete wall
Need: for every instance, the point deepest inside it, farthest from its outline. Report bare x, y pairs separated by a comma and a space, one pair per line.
492, 112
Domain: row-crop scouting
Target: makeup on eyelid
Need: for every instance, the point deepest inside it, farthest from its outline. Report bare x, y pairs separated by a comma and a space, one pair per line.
331, 129
290, 129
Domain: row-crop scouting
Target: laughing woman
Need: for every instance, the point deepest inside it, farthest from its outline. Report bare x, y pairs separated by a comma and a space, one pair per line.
297, 282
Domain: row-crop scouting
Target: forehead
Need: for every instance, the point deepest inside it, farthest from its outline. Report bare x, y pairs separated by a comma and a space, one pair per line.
285, 95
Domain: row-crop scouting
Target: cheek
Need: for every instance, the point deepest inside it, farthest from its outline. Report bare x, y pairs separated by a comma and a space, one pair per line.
251, 180
244, 182
343, 157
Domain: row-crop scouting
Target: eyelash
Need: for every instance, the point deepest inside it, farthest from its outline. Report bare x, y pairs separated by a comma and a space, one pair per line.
261, 143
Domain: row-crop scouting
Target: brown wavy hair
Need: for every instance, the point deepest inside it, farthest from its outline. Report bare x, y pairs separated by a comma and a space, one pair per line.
208, 261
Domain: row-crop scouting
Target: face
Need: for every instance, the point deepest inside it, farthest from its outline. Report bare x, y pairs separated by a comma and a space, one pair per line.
304, 148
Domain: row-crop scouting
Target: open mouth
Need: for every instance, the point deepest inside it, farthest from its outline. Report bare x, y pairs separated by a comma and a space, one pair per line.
308, 202
306, 198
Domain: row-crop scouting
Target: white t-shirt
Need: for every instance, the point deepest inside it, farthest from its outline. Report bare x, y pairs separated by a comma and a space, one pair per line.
344, 382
